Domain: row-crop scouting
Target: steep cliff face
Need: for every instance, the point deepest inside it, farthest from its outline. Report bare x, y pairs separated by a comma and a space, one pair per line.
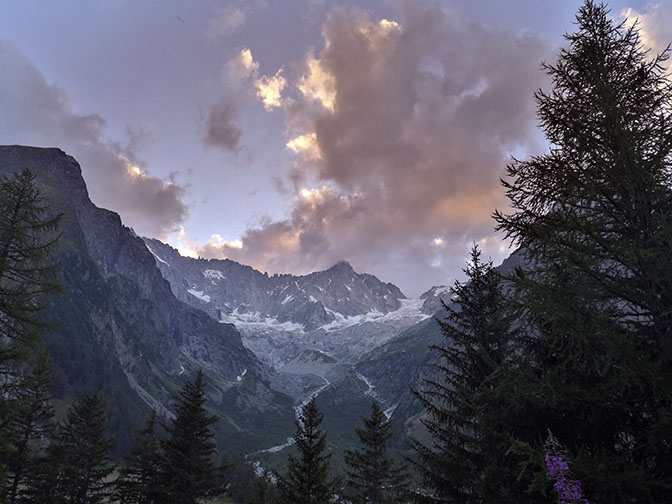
121, 329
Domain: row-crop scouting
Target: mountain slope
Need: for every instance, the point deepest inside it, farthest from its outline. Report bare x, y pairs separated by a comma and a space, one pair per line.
121, 329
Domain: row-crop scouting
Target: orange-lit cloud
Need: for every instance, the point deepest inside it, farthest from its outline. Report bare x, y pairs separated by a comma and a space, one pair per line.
318, 84
306, 145
240, 67
39, 113
269, 89
402, 128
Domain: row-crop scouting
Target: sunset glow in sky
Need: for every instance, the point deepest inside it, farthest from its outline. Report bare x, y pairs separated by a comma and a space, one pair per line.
292, 134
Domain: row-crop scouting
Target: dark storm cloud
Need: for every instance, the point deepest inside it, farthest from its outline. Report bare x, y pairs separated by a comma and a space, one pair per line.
34, 112
408, 126
221, 129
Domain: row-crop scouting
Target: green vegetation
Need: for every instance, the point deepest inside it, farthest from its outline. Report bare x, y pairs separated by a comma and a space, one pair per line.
590, 357
468, 440
593, 218
187, 468
32, 422
308, 480
372, 476
140, 479
27, 237
77, 464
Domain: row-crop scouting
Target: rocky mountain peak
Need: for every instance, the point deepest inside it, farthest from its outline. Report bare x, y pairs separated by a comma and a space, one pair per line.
342, 266
436, 290
433, 297
231, 291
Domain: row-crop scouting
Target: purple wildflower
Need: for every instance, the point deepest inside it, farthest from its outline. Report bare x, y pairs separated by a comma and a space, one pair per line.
568, 490
555, 465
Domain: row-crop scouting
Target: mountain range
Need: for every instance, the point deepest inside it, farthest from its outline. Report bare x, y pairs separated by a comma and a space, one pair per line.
138, 320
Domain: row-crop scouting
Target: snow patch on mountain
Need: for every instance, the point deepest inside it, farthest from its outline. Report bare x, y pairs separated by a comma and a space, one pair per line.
390, 411
214, 274
200, 295
410, 309
156, 256
255, 321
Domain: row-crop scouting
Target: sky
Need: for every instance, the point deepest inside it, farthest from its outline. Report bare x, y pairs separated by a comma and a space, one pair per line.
292, 134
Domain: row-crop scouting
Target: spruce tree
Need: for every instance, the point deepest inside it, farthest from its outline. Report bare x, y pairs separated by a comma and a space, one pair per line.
140, 480
77, 466
373, 476
31, 426
593, 219
189, 472
466, 460
307, 480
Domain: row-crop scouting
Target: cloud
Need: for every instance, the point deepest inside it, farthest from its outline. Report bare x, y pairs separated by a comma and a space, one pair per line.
306, 145
34, 112
269, 89
402, 129
226, 21
240, 67
653, 23
318, 84
220, 128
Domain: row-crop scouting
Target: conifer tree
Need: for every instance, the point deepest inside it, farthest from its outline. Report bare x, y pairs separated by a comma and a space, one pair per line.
140, 480
466, 460
262, 492
307, 480
593, 219
77, 465
373, 476
31, 425
189, 471
27, 237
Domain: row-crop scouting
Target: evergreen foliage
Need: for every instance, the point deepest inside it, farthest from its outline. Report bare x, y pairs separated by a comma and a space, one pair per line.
140, 479
373, 476
27, 237
466, 461
188, 472
262, 489
77, 466
247, 483
307, 480
31, 426
594, 221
